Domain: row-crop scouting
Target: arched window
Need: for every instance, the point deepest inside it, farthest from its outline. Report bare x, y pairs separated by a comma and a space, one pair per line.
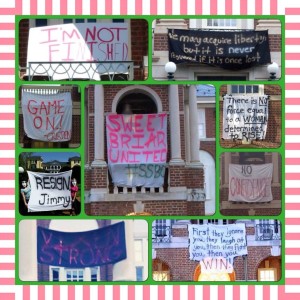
161, 270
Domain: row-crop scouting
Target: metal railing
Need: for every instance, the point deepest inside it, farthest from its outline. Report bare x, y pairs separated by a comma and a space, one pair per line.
267, 232
161, 234
80, 70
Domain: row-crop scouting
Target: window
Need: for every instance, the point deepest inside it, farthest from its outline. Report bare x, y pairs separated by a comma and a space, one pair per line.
222, 23
201, 123
212, 221
74, 274
139, 273
94, 274
41, 22
55, 274
207, 77
161, 275
246, 89
267, 274
162, 231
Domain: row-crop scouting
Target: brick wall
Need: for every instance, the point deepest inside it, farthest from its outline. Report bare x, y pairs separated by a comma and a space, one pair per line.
157, 208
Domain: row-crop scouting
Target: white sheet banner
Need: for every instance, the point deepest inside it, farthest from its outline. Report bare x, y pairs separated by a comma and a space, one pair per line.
245, 117
137, 149
81, 42
250, 183
49, 191
47, 117
209, 241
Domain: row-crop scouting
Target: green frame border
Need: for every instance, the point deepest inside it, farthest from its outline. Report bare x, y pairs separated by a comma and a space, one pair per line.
151, 81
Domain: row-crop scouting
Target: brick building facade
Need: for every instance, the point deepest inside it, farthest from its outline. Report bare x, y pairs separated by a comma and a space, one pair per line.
137, 48
204, 72
241, 208
184, 191
273, 136
171, 257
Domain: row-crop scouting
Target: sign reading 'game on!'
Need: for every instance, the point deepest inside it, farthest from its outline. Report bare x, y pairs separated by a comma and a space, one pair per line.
47, 117
217, 241
49, 191
250, 183
226, 49
137, 149
81, 249
245, 117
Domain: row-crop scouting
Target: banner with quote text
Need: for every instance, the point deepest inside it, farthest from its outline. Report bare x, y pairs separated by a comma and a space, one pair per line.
47, 117
245, 117
137, 149
250, 183
209, 241
92, 248
227, 49
49, 191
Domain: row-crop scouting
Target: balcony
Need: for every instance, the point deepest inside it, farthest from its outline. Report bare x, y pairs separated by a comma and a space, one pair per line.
161, 234
267, 232
80, 70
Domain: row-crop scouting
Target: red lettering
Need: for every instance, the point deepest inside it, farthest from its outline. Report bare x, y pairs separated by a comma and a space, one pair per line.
48, 30
137, 124
149, 122
114, 121
38, 122
70, 35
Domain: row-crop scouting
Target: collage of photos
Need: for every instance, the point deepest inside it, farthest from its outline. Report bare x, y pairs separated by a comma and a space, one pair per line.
149, 155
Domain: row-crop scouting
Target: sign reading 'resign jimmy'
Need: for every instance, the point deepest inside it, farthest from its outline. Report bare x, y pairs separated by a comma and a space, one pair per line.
137, 149
82, 249
81, 42
47, 117
217, 241
245, 117
226, 49
49, 191
250, 183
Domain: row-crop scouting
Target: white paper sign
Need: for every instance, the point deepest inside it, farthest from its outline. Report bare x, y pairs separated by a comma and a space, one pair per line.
49, 191
81, 42
47, 117
210, 241
137, 149
250, 183
245, 117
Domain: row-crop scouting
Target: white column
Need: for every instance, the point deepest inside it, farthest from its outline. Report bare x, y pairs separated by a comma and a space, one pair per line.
125, 269
193, 118
227, 161
28, 268
99, 126
175, 126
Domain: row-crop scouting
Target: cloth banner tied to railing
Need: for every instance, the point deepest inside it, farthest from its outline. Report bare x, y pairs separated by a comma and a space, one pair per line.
137, 149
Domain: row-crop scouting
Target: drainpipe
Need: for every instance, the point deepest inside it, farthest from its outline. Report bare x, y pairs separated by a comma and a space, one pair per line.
245, 259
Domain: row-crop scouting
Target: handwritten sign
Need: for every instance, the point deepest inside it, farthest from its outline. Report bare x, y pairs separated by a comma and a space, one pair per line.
250, 183
49, 191
137, 149
47, 117
245, 117
217, 241
226, 49
81, 249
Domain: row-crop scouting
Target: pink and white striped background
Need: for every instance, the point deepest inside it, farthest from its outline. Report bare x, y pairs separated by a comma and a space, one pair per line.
10, 8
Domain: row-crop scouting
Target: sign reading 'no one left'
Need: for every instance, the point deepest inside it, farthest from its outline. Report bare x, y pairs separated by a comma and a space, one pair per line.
226, 49
47, 117
250, 183
49, 191
82, 249
245, 117
137, 149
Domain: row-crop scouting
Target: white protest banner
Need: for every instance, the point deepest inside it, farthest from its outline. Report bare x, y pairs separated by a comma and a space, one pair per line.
80, 42
250, 183
211, 241
245, 117
49, 191
137, 149
47, 117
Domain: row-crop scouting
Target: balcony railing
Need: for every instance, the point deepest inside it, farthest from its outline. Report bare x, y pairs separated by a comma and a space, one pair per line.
161, 234
80, 70
267, 232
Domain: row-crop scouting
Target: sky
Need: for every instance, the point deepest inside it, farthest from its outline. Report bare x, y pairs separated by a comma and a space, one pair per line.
60, 156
